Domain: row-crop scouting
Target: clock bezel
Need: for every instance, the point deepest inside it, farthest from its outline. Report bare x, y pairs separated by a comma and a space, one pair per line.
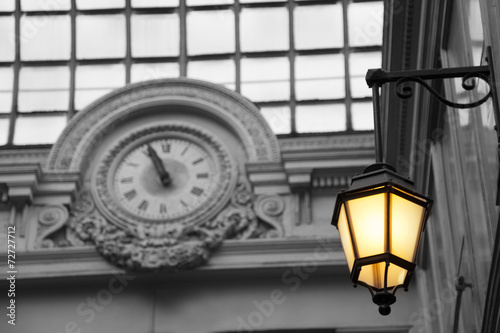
103, 177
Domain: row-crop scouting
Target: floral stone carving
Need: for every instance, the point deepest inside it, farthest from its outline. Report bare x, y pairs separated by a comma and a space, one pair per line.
175, 246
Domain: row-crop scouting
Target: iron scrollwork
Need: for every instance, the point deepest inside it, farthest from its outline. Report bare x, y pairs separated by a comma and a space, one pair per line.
406, 92
376, 78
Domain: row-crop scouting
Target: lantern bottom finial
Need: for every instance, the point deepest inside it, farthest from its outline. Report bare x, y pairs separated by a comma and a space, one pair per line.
384, 301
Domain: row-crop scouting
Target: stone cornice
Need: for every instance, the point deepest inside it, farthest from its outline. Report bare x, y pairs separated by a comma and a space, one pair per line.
302, 156
24, 155
332, 155
232, 256
327, 142
27, 182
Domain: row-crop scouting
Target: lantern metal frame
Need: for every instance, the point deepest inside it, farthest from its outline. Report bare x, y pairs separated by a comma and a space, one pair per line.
382, 178
376, 179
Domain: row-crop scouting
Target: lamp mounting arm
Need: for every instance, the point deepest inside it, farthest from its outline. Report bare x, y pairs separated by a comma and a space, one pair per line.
381, 76
376, 78
467, 74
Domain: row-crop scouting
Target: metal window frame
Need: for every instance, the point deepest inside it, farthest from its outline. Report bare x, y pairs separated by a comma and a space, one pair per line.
183, 58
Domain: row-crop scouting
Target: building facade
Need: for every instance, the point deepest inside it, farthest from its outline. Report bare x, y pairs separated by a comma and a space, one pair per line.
172, 166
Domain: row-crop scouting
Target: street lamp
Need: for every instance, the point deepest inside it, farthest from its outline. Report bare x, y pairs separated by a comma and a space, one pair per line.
381, 218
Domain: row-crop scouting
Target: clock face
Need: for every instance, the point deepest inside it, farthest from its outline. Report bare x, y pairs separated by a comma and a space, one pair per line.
138, 185
162, 174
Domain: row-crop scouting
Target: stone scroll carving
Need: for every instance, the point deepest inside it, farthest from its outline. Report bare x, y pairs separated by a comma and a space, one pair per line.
51, 219
175, 246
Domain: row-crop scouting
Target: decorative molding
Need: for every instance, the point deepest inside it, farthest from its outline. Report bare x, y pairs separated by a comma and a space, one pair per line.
101, 117
268, 178
50, 219
232, 257
350, 141
24, 156
330, 181
269, 208
27, 183
175, 246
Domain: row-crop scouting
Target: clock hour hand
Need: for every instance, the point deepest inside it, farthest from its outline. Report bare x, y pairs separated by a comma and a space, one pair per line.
159, 167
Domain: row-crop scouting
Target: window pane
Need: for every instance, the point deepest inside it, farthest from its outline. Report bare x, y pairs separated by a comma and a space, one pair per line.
144, 72
7, 38
265, 79
359, 63
208, 2
155, 35
154, 3
99, 4
366, 23
46, 37
100, 36
264, 29
475, 30
318, 27
210, 32
362, 116
31, 5
4, 131
320, 118
278, 118
43, 88
319, 77
7, 75
7, 6
94, 81
38, 130
217, 71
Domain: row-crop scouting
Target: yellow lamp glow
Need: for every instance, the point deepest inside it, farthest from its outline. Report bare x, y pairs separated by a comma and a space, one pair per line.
380, 221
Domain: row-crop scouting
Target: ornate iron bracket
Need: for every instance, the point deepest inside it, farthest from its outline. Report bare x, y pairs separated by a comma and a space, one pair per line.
376, 78
379, 76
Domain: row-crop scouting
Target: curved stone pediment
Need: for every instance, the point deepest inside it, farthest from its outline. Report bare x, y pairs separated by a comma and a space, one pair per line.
100, 118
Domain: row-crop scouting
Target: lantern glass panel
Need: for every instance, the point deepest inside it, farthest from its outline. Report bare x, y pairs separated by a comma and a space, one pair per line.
373, 275
345, 237
406, 225
367, 217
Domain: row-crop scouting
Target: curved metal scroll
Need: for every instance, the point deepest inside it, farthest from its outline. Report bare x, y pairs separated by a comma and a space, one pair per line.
406, 92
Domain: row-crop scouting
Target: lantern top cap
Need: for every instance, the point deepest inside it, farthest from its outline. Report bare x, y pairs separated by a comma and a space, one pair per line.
374, 177
378, 173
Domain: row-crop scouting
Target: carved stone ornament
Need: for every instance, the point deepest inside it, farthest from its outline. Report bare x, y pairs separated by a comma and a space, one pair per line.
50, 219
176, 246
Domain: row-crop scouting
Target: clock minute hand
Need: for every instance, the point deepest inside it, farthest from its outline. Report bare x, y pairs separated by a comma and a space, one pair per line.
160, 168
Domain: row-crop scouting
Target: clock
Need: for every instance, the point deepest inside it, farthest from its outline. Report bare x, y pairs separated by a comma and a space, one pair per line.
164, 174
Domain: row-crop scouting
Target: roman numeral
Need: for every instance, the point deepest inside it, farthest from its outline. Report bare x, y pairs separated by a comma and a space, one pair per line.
126, 180
198, 161
163, 208
165, 147
144, 205
184, 203
202, 175
197, 191
132, 164
130, 194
